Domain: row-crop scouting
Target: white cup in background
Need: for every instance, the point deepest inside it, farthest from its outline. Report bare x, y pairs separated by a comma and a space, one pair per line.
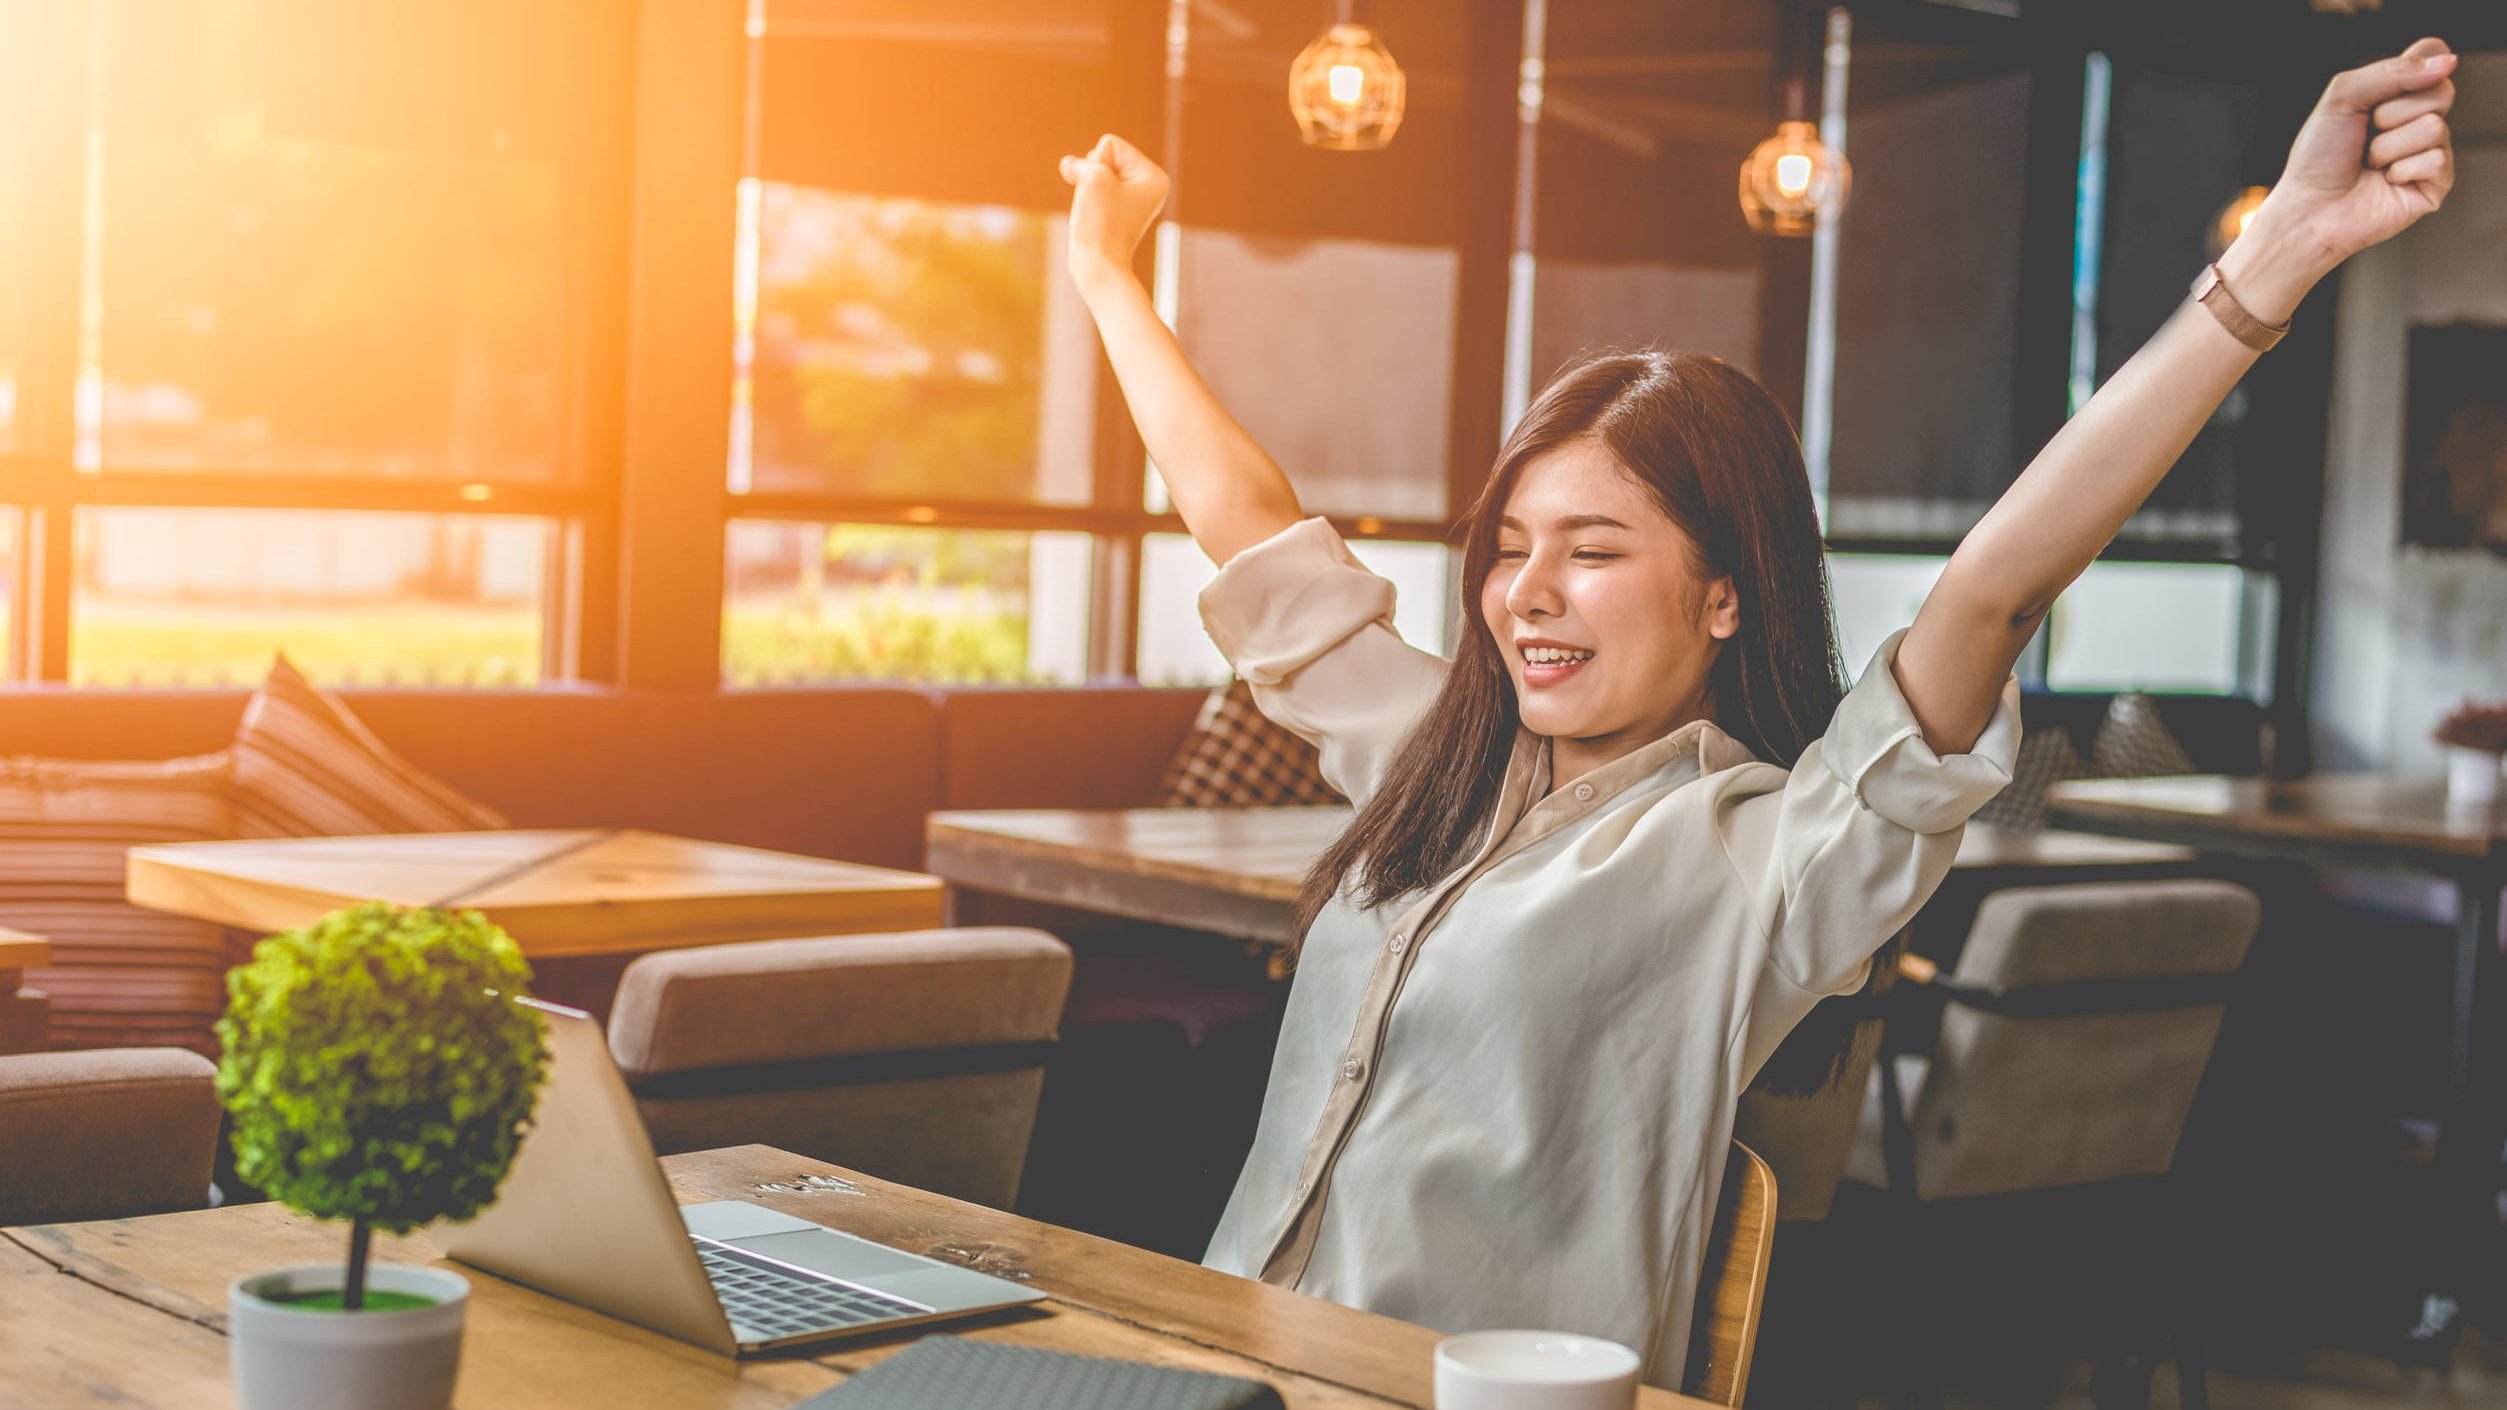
1534, 1371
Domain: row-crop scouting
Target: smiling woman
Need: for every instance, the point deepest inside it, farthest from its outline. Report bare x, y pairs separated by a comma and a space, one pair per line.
1609, 859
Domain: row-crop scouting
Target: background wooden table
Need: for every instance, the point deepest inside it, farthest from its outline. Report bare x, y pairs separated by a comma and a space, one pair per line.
580, 903
139, 1322
22, 1010
2377, 820
1236, 871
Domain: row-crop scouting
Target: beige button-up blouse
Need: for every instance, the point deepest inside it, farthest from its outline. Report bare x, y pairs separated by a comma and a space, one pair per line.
1505, 1101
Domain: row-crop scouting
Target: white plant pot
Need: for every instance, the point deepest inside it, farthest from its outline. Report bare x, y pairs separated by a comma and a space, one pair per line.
297, 1358
2471, 775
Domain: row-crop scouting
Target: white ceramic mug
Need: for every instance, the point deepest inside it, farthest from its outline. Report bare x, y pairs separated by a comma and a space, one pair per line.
1534, 1371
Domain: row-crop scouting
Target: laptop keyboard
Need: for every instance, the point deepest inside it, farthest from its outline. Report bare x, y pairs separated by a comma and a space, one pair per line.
764, 1296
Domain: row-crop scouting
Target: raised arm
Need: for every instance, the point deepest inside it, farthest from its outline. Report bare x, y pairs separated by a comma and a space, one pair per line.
2340, 193
1229, 492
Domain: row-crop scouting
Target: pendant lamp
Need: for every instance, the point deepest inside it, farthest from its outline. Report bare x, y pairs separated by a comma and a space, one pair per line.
1792, 181
1345, 90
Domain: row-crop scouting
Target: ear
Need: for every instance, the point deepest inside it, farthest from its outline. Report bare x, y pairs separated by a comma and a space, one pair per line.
1723, 610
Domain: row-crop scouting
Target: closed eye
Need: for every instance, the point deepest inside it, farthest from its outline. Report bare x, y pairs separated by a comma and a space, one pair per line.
1594, 555
1508, 555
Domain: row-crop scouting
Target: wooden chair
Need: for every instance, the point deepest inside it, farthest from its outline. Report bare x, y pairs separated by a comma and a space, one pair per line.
1724, 1329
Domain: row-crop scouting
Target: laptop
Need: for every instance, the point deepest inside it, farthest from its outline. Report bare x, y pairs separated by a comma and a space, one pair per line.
586, 1215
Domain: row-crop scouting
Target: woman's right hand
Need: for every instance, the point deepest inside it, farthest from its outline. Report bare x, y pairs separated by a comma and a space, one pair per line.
1116, 193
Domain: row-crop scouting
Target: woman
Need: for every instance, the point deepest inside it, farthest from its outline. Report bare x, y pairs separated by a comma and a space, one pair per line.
1608, 857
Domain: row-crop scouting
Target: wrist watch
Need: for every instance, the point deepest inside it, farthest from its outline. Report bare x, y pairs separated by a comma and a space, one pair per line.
2212, 292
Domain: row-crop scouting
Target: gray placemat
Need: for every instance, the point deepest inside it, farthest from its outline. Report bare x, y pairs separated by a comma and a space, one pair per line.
951, 1373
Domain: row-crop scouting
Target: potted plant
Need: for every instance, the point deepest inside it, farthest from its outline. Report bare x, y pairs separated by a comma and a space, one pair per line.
375, 1071
2475, 737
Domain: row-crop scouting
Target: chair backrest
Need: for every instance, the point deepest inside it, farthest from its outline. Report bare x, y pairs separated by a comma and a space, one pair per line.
1733, 1284
105, 1134
2110, 997
1805, 1140
917, 1057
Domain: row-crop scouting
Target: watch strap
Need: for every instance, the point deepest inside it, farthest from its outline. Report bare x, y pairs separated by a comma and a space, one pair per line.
2212, 292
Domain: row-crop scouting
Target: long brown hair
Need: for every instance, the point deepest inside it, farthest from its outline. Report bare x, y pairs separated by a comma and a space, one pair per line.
1719, 457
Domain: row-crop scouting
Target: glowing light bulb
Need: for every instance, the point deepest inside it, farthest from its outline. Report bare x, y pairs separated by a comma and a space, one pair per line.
1345, 90
1793, 173
1793, 181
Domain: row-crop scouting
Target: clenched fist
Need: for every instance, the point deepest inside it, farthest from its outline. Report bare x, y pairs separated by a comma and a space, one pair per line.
2374, 156
1116, 193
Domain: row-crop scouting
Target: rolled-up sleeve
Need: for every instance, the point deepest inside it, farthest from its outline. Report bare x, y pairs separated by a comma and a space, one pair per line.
1311, 630
1864, 828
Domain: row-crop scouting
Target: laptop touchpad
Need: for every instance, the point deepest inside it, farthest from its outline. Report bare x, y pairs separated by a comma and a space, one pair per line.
825, 1251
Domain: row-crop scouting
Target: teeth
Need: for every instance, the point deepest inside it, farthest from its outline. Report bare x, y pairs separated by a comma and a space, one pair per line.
1553, 655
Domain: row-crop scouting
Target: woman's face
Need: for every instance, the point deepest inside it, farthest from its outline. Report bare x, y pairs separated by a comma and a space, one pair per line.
1597, 609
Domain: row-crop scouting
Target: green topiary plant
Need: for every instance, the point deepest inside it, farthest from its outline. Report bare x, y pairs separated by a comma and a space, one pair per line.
376, 1071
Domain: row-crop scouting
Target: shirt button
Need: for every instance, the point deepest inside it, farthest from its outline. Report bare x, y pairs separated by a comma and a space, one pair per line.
1584, 793
1401, 941
1350, 1069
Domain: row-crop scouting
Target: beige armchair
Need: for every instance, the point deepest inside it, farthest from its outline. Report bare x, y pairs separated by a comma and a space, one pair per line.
2070, 1043
105, 1134
914, 1057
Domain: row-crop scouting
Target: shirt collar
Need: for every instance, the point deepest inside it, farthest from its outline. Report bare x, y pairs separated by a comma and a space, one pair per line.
1690, 752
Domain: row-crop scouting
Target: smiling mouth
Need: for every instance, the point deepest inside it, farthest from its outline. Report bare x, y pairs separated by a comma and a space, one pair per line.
1550, 665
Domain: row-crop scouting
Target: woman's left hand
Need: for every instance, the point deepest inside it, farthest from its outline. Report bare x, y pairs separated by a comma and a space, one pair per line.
2374, 156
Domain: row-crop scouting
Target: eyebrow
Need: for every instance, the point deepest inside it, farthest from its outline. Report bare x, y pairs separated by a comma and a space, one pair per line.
1571, 522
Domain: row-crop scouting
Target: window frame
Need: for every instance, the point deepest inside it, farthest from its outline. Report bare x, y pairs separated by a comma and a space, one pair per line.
650, 223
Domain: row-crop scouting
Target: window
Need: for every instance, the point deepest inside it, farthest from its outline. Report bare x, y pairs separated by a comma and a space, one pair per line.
909, 350
205, 596
313, 317
812, 602
10, 566
1934, 388
16, 259
1647, 112
295, 330
1875, 594
2152, 626
919, 484
1319, 292
2176, 151
329, 239
1928, 286
1333, 354
1174, 650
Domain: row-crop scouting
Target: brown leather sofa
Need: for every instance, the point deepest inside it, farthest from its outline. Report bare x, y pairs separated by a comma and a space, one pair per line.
843, 772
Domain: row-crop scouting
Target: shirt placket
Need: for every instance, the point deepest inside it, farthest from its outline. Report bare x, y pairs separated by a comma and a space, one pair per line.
1527, 774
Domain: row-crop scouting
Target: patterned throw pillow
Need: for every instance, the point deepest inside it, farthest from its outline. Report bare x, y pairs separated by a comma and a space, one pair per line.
2133, 742
1236, 758
2046, 758
120, 976
306, 767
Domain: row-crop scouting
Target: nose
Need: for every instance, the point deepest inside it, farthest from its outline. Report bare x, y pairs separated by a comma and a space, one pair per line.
1534, 592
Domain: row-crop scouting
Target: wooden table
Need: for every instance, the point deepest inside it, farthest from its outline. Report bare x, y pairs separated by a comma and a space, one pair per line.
22, 1010
1236, 871
139, 1321
2375, 820
581, 903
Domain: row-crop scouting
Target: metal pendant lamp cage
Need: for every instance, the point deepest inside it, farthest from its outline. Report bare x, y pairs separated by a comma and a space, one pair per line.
1793, 180
1345, 90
